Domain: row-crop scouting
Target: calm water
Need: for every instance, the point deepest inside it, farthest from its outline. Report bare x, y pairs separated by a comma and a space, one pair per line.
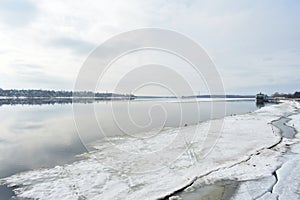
45, 135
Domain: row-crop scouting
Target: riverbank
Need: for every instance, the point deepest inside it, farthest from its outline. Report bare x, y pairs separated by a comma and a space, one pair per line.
283, 182
157, 166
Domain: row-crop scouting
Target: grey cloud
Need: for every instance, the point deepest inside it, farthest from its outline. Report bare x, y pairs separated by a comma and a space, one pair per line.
76, 45
269, 88
17, 12
44, 80
27, 66
266, 59
33, 76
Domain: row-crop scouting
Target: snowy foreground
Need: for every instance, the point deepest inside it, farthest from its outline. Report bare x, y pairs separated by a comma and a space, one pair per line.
248, 149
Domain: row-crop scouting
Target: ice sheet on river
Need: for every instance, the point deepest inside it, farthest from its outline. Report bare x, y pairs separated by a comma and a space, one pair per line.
134, 168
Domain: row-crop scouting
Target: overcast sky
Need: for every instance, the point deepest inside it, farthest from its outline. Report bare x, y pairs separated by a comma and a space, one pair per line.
254, 44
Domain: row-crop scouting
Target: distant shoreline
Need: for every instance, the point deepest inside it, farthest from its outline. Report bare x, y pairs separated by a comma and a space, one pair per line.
40, 97
89, 100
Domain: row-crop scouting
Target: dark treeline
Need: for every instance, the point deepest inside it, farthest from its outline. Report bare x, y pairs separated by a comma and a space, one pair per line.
13, 93
295, 95
40, 97
51, 101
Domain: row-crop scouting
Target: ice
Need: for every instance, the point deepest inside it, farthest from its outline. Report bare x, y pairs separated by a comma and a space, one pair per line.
249, 173
153, 167
268, 196
254, 189
288, 186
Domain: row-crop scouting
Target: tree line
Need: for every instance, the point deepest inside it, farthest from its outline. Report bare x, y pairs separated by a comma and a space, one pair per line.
295, 95
52, 94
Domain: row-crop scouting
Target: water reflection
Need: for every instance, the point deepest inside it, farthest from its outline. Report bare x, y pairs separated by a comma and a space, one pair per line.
36, 136
260, 104
6, 193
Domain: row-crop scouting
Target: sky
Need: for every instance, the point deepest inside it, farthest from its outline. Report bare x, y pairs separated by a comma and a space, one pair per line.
255, 44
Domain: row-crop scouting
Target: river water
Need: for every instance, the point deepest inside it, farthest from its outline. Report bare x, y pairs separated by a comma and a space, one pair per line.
36, 136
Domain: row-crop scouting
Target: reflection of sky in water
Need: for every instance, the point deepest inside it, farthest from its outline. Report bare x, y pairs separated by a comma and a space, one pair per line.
43, 136
5, 193
36, 136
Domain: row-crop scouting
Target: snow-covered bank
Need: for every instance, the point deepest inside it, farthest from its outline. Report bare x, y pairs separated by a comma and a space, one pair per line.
253, 176
288, 186
141, 171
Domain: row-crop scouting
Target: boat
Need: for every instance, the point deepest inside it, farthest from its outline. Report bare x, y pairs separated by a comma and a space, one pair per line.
261, 98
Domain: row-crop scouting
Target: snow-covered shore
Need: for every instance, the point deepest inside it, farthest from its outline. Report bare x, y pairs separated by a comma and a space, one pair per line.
154, 167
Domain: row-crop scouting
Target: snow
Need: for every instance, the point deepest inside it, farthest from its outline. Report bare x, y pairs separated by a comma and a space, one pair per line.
254, 189
153, 167
255, 175
288, 186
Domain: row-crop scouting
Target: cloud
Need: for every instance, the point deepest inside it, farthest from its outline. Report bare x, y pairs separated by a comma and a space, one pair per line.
75, 45
17, 12
253, 43
27, 66
33, 76
41, 80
